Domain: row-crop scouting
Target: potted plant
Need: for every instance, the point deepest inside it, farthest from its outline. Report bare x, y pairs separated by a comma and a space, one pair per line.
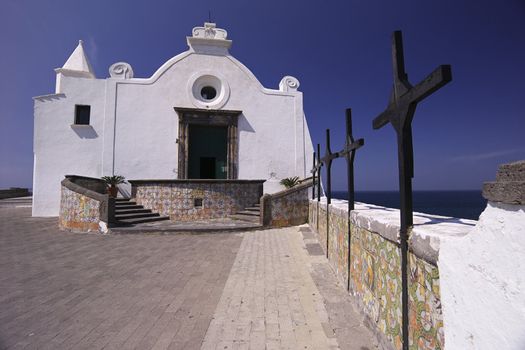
112, 182
290, 182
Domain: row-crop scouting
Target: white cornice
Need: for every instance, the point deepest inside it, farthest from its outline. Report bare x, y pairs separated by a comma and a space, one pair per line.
75, 73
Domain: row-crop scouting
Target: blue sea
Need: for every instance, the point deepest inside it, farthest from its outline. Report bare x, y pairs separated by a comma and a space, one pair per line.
459, 204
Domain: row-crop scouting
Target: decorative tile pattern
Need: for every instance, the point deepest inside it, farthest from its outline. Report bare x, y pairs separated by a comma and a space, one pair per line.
322, 224
312, 214
78, 212
176, 200
338, 243
291, 209
425, 317
375, 280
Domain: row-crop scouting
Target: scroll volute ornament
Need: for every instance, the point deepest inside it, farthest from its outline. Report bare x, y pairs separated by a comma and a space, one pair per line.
121, 70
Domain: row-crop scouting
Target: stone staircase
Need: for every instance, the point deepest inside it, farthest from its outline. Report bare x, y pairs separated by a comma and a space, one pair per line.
129, 213
250, 214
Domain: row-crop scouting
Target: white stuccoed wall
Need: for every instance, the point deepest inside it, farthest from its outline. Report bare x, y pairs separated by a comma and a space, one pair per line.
482, 276
60, 148
134, 126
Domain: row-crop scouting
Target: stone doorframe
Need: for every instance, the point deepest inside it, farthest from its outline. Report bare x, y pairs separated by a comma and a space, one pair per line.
208, 117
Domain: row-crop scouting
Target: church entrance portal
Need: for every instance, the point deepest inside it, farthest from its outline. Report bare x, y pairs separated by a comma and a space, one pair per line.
207, 153
208, 144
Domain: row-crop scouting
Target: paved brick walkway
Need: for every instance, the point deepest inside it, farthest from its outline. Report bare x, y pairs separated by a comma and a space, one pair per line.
257, 290
60, 290
270, 299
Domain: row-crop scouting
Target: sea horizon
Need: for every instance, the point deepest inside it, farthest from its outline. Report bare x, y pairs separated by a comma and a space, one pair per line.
465, 204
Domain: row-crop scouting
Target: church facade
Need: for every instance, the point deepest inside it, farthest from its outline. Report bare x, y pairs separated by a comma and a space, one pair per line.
201, 115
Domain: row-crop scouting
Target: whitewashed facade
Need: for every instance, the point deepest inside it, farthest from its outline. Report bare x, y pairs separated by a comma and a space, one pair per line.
133, 127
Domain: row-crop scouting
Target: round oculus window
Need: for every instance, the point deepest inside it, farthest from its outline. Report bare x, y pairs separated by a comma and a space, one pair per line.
208, 93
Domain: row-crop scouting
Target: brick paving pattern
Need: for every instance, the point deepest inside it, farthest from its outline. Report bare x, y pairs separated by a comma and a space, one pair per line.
270, 300
61, 290
254, 290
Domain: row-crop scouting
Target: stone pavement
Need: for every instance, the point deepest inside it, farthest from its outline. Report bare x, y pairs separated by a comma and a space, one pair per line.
197, 226
257, 290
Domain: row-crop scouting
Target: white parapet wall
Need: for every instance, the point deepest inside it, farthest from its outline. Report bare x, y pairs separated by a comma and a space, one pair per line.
483, 273
466, 279
483, 282
375, 267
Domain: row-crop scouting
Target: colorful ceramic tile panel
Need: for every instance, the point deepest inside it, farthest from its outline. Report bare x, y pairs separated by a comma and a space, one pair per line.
322, 227
425, 317
78, 212
291, 209
338, 244
313, 216
375, 280
177, 200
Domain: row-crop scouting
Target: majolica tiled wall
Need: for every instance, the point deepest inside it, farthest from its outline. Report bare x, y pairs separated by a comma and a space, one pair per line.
286, 208
375, 279
78, 212
177, 200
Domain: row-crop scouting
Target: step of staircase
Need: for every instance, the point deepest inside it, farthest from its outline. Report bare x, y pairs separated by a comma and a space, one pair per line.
142, 220
149, 214
250, 214
130, 206
243, 217
122, 203
129, 213
133, 211
255, 209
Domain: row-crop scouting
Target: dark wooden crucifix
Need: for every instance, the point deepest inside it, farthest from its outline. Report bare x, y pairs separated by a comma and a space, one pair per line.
348, 152
399, 113
316, 173
327, 161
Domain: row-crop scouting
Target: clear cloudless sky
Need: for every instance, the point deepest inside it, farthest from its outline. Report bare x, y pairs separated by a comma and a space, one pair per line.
339, 51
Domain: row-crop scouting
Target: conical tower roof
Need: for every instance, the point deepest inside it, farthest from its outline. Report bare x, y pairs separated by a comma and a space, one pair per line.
79, 62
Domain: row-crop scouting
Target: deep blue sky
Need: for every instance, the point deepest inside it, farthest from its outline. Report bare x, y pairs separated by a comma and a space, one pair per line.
339, 51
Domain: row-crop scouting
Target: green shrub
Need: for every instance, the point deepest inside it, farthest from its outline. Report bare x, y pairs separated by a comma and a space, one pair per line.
114, 180
290, 182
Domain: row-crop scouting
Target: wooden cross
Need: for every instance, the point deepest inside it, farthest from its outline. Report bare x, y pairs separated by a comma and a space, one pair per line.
314, 174
319, 165
400, 112
327, 160
348, 152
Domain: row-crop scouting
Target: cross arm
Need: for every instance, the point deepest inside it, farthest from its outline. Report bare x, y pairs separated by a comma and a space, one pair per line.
383, 119
317, 167
352, 147
329, 157
433, 82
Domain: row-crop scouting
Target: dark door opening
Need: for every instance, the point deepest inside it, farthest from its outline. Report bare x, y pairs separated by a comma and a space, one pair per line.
207, 168
207, 152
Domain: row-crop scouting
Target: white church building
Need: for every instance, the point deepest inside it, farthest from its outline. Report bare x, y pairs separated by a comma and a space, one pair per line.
201, 115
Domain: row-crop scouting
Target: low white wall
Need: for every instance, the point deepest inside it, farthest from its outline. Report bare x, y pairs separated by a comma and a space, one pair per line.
483, 282
481, 268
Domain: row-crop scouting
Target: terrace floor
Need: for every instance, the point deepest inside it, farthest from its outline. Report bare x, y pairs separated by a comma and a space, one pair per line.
248, 290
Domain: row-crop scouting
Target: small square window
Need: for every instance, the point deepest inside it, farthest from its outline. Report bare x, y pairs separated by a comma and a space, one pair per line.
197, 202
82, 114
